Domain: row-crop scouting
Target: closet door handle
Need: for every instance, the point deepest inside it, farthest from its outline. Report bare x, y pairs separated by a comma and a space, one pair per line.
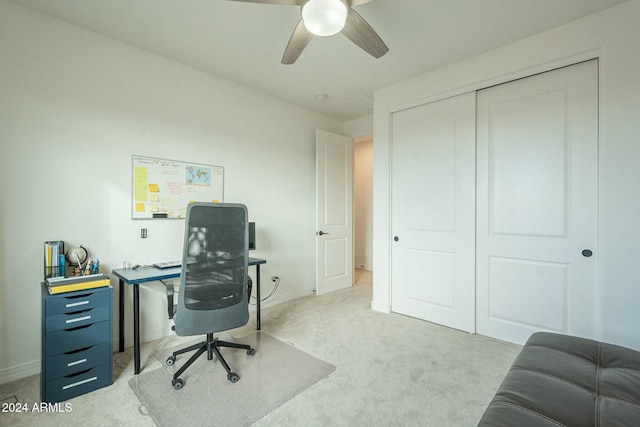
321, 233
587, 253
396, 238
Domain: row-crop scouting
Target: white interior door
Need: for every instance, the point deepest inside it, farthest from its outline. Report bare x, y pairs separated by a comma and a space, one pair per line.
537, 205
433, 219
334, 216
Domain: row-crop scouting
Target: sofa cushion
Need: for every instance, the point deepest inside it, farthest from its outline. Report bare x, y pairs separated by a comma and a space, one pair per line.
563, 380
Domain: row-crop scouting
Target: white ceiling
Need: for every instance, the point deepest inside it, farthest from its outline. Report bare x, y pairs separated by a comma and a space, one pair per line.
244, 42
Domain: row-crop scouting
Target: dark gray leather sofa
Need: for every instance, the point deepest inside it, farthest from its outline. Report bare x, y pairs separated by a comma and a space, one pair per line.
560, 380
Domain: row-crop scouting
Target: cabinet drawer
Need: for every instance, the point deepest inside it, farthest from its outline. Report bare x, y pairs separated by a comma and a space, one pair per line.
78, 302
77, 338
71, 363
77, 318
65, 388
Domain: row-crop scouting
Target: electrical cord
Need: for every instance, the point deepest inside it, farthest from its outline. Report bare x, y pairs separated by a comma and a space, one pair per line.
273, 291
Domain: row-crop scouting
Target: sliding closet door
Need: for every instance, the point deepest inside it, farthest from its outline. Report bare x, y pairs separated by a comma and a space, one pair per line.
537, 205
433, 252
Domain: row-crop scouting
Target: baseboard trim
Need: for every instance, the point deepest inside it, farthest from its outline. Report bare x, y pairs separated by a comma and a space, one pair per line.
19, 372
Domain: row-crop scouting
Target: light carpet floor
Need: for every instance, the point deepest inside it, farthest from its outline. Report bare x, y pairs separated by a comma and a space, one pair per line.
390, 370
276, 373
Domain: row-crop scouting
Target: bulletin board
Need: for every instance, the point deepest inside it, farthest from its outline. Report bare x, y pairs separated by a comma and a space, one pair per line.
162, 188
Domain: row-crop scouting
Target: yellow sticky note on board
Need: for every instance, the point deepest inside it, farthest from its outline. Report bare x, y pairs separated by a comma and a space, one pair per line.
139, 207
140, 195
153, 188
140, 172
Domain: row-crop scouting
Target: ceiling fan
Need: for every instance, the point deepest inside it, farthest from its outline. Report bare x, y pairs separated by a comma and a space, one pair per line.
326, 18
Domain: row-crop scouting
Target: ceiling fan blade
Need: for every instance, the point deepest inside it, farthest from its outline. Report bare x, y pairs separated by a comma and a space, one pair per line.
359, 2
283, 2
298, 41
363, 35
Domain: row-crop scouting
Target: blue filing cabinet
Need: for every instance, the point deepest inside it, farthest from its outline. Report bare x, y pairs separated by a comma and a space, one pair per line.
76, 343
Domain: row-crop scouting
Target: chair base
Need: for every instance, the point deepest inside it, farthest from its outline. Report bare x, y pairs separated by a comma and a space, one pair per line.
211, 346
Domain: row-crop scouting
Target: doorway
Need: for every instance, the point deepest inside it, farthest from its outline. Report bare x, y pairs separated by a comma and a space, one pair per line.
363, 208
344, 211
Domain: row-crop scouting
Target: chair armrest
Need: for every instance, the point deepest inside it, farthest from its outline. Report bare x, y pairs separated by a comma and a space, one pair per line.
170, 306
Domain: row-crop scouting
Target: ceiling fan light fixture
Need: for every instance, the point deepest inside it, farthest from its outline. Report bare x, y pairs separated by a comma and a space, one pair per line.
324, 17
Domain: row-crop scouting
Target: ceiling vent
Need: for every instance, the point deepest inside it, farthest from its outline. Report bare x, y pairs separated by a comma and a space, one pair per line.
361, 103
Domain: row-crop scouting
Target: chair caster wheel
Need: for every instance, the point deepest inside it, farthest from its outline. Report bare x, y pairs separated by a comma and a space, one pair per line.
251, 351
177, 383
232, 377
171, 360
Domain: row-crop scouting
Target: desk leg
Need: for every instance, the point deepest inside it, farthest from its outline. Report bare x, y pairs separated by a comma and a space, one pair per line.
121, 318
136, 327
258, 296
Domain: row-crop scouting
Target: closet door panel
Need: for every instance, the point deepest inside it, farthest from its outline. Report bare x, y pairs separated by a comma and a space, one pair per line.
537, 143
433, 218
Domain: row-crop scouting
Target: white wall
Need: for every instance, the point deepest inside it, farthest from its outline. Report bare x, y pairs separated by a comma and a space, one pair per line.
74, 107
358, 128
612, 36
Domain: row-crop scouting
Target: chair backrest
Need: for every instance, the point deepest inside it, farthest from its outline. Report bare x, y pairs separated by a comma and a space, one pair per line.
213, 284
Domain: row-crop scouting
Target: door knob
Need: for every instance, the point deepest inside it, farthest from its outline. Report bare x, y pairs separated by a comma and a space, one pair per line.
396, 238
587, 253
321, 233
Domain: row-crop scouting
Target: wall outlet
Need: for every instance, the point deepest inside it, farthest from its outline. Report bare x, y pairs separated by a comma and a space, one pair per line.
143, 233
274, 278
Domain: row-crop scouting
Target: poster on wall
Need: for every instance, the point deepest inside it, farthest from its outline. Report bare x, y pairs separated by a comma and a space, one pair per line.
162, 188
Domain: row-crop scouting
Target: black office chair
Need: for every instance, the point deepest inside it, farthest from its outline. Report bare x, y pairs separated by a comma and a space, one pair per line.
213, 294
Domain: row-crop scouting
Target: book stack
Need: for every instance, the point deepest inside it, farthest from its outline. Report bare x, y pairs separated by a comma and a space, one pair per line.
54, 263
58, 285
